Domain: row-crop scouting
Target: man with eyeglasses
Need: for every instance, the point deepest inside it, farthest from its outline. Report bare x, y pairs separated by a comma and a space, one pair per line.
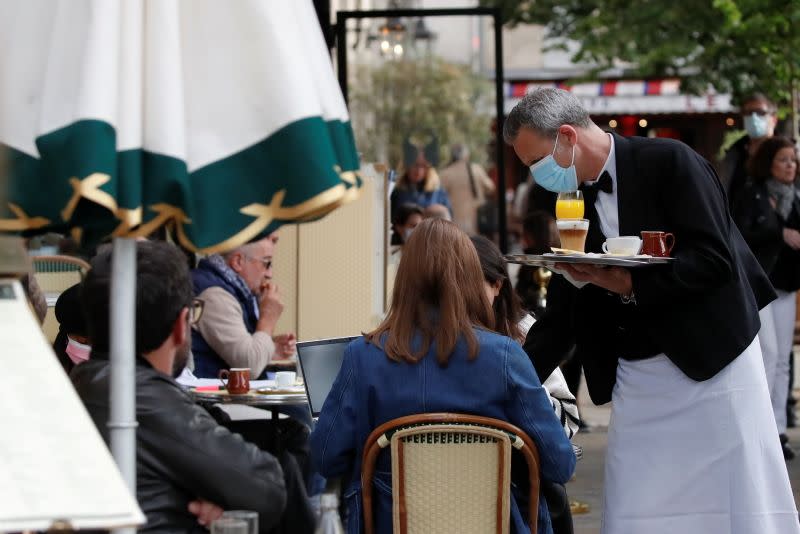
189, 468
759, 116
242, 305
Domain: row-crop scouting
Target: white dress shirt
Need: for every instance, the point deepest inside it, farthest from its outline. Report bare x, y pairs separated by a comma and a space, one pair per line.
606, 203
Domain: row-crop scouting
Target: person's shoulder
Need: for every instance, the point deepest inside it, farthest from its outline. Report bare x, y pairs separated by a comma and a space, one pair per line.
448, 171
664, 154
739, 146
658, 144
151, 383
490, 340
359, 344
91, 375
215, 294
359, 347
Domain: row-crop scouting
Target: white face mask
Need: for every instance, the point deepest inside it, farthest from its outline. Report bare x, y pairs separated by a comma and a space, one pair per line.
78, 352
757, 126
406, 234
552, 176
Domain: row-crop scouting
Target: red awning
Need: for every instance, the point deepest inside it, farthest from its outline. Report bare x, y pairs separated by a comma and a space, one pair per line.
611, 97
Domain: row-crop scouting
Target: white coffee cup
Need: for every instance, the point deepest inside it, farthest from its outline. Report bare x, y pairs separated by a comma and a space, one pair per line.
285, 378
623, 245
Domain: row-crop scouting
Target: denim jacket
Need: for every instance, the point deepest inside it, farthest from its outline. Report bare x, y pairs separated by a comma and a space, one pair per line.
370, 390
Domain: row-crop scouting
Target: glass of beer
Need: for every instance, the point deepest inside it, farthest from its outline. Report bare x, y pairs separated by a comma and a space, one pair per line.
569, 205
573, 233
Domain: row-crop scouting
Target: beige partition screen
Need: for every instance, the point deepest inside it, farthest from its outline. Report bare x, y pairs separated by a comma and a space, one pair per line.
332, 272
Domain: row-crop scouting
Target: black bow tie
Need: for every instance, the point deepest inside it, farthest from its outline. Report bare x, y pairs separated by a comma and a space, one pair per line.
604, 184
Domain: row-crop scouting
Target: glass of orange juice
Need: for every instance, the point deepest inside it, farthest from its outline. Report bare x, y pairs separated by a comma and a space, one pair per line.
569, 205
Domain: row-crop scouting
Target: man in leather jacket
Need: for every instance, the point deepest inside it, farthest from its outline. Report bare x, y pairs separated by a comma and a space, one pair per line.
189, 468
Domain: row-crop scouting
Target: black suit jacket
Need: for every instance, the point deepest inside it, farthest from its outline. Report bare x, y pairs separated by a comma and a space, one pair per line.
700, 310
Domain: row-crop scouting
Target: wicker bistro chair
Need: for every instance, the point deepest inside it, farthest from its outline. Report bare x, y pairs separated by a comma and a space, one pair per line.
54, 274
450, 473
57, 273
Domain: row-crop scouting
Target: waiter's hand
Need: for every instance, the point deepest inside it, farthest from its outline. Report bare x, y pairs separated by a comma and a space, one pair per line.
614, 279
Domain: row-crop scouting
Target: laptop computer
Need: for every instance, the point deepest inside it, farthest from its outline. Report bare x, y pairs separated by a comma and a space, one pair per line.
320, 362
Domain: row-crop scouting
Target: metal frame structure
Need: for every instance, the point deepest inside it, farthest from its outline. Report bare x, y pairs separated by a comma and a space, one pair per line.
341, 61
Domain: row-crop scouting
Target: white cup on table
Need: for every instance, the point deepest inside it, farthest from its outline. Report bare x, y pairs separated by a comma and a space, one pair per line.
285, 378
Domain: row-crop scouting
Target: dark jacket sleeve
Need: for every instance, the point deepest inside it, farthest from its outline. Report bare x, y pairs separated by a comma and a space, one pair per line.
552, 337
752, 218
694, 206
206, 459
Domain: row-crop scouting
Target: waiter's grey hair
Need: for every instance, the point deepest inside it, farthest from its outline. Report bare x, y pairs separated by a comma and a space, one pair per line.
544, 111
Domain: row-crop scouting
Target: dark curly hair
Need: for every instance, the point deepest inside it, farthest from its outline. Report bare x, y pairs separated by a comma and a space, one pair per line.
163, 289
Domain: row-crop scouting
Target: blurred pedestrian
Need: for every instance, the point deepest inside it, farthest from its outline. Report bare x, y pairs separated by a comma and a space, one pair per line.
470, 190
759, 115
768, 215
404, 219
419, 185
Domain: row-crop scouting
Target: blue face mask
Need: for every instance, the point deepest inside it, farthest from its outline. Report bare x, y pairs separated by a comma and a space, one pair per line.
553, 176
756, 125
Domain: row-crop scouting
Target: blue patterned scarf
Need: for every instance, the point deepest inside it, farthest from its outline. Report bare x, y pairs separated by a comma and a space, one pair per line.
230, 276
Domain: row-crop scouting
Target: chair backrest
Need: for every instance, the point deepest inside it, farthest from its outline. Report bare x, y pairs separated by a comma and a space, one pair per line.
57, 273
450, 473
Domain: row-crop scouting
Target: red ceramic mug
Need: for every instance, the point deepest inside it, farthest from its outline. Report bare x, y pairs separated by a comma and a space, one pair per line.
238, 380
657, 244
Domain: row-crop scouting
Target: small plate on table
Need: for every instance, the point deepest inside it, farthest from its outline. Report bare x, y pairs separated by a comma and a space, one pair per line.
566, 252
281, 390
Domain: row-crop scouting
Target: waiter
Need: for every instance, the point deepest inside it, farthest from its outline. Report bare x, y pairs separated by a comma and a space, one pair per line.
692, 445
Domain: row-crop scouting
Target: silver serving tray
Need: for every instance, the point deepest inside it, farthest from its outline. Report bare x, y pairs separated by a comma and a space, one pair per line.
550, 259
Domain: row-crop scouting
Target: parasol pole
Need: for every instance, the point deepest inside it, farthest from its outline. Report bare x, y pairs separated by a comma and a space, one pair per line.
122, 306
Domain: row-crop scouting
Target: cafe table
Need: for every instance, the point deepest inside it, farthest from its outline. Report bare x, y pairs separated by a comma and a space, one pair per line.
273, 399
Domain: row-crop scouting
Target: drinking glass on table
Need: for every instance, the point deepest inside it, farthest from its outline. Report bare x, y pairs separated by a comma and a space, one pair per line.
569, 205
251, 518
229, 525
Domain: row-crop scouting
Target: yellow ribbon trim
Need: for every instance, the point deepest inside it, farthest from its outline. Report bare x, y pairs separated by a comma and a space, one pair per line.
131, 219
165, 214
22, 222
89, 188
266, 213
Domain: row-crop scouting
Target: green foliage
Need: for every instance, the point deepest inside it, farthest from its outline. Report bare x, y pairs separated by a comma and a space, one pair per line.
730, 137
401, 98
736, 46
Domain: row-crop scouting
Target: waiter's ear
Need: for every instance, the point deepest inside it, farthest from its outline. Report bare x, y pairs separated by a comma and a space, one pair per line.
568, 131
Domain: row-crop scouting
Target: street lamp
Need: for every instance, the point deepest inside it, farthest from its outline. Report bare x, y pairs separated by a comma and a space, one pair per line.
393, 37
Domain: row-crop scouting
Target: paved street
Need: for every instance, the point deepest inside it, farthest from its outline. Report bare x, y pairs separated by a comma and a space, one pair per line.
587, 486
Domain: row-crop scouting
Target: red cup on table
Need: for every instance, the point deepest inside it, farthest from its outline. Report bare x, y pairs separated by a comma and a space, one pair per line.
238, 380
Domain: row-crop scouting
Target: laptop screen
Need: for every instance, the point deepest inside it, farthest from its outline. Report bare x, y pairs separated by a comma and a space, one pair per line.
320, 362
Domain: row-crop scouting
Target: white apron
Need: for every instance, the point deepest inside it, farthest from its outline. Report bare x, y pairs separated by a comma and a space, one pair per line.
695, 457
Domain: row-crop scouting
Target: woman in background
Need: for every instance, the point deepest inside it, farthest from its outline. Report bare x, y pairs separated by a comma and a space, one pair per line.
767, 212
404, 219
419, 185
